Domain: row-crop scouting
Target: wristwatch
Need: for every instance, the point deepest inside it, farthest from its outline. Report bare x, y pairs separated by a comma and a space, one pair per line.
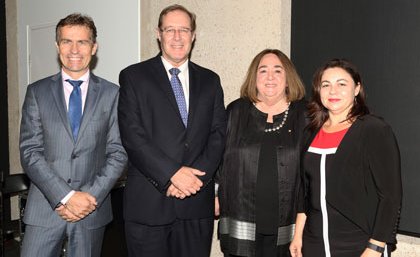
375, 247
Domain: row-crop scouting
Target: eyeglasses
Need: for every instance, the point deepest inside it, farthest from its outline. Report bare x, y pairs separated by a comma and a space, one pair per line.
181, 31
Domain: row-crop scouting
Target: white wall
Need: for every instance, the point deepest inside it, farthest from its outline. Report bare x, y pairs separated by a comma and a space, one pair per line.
117, 23
118, 38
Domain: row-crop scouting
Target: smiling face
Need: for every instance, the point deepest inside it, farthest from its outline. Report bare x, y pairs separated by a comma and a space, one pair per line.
75, 49
338, 91
271, 79
175, 37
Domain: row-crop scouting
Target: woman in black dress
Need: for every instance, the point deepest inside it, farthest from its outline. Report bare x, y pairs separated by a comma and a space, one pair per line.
351, 172
260, 170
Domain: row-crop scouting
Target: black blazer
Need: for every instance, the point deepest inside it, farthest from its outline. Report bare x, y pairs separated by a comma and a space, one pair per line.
158, 144
365, 184
238, 172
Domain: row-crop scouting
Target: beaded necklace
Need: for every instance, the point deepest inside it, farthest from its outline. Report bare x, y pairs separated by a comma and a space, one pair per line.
278, 127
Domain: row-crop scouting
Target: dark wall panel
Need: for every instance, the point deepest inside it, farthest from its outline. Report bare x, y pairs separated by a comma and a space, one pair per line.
383, 39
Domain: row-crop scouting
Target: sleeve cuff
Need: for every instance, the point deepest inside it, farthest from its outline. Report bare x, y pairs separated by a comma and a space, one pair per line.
67, 197
216, 189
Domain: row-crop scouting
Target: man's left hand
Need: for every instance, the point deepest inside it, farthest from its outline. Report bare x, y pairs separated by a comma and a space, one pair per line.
66, 214
81, 204
175, 192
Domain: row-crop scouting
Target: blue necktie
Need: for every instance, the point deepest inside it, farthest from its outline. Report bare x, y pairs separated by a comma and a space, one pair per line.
179, 95
75, 106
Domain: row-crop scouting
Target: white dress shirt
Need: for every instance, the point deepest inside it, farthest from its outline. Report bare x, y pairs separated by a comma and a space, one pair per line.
183, 77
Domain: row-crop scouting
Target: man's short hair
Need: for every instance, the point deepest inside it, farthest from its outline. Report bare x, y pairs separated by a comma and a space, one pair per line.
76, 19
177, 7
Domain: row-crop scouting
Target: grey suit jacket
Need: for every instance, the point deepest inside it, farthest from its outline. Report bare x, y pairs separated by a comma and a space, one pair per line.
56, 164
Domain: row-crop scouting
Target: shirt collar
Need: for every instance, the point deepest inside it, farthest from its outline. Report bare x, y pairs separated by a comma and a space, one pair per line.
85, 77
183, 67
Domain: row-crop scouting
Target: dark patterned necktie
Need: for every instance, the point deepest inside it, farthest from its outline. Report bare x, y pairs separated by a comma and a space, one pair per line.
75, 107
179, 95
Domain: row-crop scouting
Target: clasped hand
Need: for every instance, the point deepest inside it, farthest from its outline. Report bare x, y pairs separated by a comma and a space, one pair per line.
77, 207
185, 182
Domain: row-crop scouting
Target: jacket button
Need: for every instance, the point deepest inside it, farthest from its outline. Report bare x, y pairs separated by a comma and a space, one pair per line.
186, 145
69, 180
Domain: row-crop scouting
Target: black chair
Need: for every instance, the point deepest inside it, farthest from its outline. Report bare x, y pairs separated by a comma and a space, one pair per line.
16, 184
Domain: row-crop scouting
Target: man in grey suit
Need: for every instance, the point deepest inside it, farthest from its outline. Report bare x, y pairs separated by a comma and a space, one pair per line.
71, 149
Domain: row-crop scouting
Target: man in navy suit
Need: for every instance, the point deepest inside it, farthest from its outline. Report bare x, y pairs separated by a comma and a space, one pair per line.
70, 149
174, 140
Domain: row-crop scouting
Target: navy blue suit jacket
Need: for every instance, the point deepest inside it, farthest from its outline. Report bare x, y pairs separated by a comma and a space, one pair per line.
158, 144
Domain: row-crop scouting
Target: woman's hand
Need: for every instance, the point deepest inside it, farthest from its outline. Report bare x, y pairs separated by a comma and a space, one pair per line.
296, 247
296, 244
216, 207
370, 253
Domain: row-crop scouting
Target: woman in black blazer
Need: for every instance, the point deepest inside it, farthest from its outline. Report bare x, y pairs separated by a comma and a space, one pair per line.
351, 198
259, 176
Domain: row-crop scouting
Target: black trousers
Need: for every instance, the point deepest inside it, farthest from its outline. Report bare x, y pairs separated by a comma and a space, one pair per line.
183, 238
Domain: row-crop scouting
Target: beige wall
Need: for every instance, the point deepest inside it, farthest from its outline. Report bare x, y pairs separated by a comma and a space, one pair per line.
13, 89
229, 34
226, 42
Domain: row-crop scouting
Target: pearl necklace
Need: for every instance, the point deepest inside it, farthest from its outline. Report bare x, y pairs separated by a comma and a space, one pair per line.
282, 122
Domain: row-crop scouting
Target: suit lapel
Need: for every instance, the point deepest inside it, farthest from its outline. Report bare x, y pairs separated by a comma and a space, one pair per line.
164, 83
90, 104
194, 85
58, 94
